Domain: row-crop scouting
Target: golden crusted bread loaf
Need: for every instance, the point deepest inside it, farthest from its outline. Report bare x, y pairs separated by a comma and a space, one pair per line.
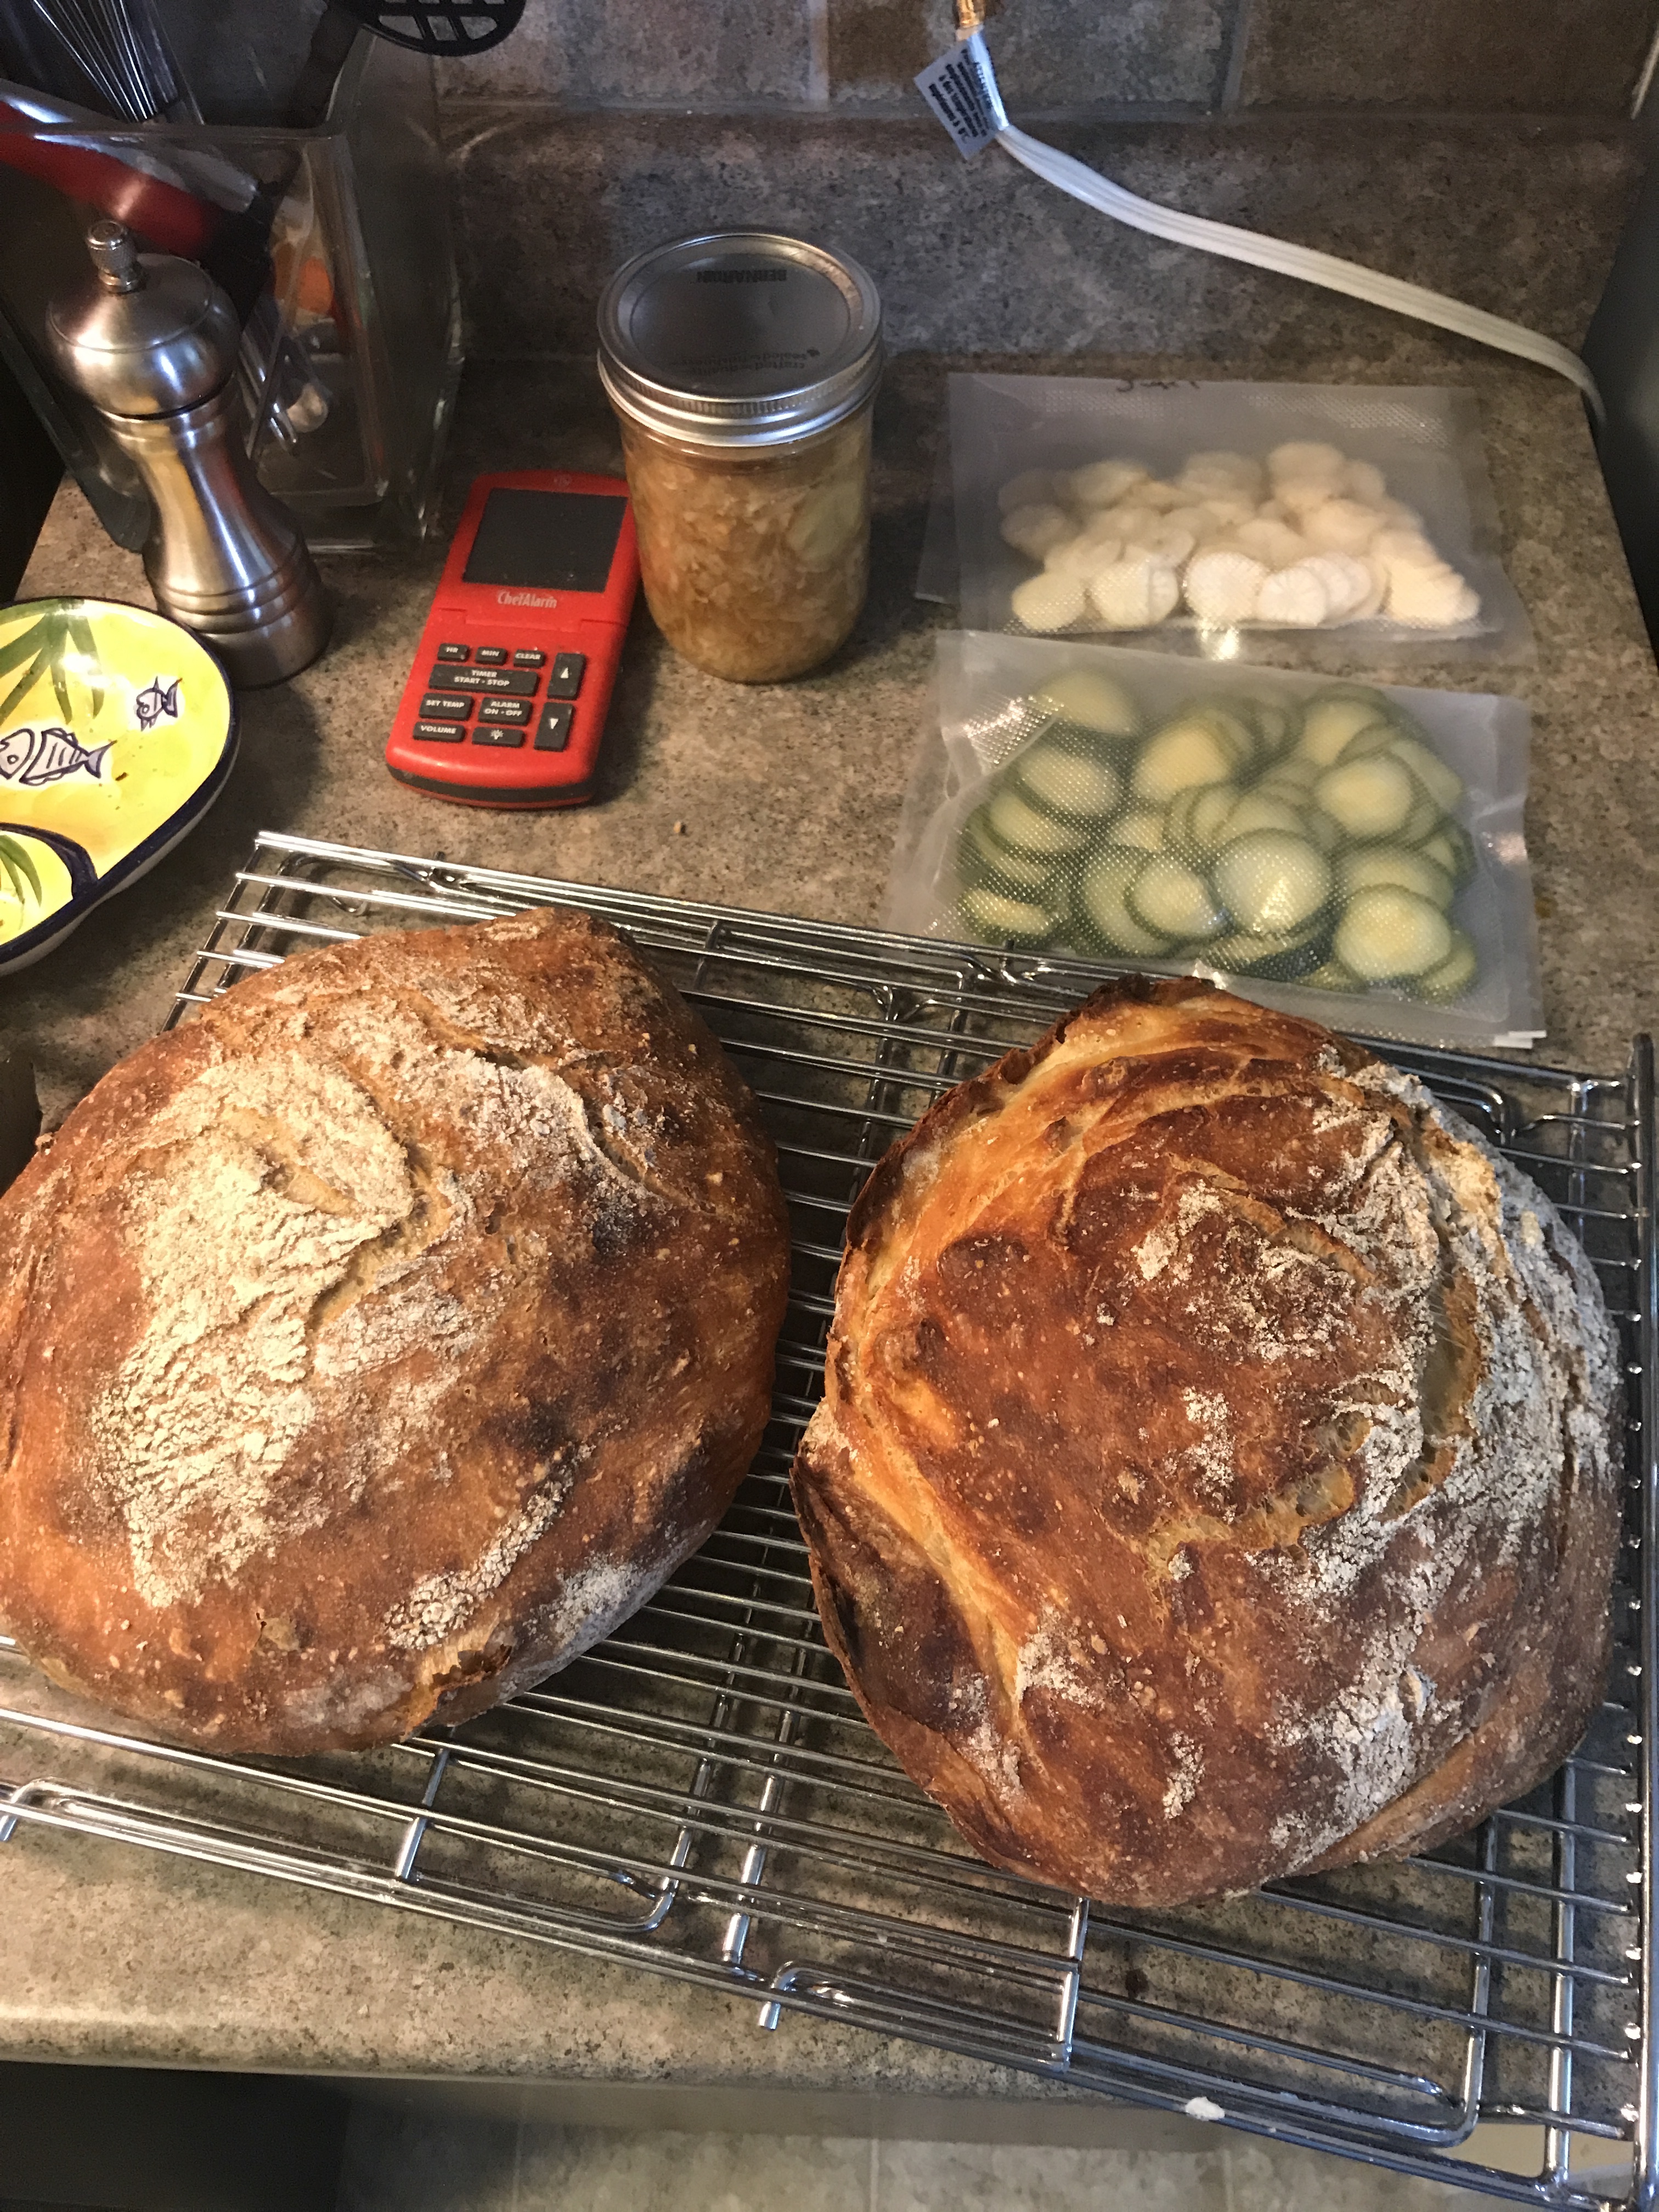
1216, 1475
373, 1345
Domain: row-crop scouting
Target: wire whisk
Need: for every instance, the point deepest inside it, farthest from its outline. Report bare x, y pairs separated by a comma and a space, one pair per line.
121, 49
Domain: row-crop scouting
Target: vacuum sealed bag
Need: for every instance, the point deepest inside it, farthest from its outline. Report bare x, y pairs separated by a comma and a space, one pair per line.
1352, 852
1342, 521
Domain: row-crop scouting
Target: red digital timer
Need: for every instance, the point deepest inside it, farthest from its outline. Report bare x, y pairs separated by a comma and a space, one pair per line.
506, 703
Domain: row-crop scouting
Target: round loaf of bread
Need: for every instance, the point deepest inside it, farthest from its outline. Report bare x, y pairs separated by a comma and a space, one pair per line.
371, 1346
1216, 1473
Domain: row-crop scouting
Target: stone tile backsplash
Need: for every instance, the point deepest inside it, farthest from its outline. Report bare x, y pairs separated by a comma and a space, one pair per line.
982, 256
1553, 56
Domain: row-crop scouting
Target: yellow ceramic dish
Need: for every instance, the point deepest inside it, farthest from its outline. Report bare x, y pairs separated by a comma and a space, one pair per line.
117, 730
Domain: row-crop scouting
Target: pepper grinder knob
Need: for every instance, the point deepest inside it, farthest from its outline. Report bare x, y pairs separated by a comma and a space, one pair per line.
114, 256
152, 342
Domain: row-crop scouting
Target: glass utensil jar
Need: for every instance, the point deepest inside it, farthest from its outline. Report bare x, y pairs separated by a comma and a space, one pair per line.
743, 367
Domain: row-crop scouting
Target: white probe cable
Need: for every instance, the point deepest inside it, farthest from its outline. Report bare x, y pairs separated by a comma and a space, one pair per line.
1336, 274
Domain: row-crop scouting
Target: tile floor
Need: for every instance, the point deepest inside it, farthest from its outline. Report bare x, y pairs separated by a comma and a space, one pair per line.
402, 2163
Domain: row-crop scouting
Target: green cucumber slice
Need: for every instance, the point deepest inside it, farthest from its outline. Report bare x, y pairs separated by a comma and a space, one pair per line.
1331, 719
997, 919
982, 858
1329, 976
1374, 864
1321, 830
1094, 702
1452, 978
1423, 820
1061, 781
1452, 846
1174, 900
1388, 935
1143, 829
1182, 754
1102, 904
1375, 737
1444, 785
1195, 814
1031, 828
1282, 958
1272, 883
1262, 810
1370, 798
1277, 721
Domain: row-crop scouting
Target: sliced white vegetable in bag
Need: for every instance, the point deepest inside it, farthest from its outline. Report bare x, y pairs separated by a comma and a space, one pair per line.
1410, 871
1431, 598
1275, 543
1331, 720
1223, 587
1347, 581
1136, 592
1389, 936
1168, 897
1092, 701
1459, 968
1369, 798
1049, 601
1271, 882
1342, 526
1035, 488
1031, 828
1296, 597
1064, 781
1033, 529
1001, 920
1364, 482
1082, 556
1182, 754
1103, 484
1103, 902
1206, 474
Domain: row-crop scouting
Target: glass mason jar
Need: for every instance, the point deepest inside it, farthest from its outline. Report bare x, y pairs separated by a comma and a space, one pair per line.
742, 369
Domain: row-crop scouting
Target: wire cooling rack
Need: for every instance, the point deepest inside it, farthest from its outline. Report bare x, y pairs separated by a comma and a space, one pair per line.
701, 1796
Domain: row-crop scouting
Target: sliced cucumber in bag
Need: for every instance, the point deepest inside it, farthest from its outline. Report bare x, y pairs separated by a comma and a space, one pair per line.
1284, 958
1369, 798
1103, 905
1391, 936
1456, 972
1183, 753
1028, 829
1174, 900
1079, 785
1095, 703
1272, 883
1408, 869
996, 918
982, 858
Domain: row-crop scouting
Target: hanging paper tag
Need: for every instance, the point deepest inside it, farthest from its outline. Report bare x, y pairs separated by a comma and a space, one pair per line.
961, 88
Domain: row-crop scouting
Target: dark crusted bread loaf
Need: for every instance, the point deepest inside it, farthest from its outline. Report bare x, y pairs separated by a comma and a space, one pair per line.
1215, 1476
370, 1346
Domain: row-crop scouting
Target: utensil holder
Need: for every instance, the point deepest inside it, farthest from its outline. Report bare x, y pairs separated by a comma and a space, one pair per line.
351, 350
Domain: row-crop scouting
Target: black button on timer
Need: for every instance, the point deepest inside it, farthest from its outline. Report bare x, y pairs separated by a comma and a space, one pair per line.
566, 680
491, 656
454, 652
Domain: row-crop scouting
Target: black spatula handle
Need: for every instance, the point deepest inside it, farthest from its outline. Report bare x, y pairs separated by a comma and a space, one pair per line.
438, 26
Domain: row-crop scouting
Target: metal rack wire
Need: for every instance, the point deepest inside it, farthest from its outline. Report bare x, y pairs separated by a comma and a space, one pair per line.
699, 1796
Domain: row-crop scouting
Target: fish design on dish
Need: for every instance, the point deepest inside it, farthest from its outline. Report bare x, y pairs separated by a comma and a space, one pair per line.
31, 758
158, 702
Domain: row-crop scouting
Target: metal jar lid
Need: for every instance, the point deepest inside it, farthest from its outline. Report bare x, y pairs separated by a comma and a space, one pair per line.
739, 338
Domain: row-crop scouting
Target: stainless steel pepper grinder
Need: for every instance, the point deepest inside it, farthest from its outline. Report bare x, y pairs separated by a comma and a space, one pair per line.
152, 342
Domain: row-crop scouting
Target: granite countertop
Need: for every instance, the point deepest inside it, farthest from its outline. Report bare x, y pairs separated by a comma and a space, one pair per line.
783, 798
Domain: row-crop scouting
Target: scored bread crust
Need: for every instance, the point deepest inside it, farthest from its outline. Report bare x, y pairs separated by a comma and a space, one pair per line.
1216, 1476
371, 1346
